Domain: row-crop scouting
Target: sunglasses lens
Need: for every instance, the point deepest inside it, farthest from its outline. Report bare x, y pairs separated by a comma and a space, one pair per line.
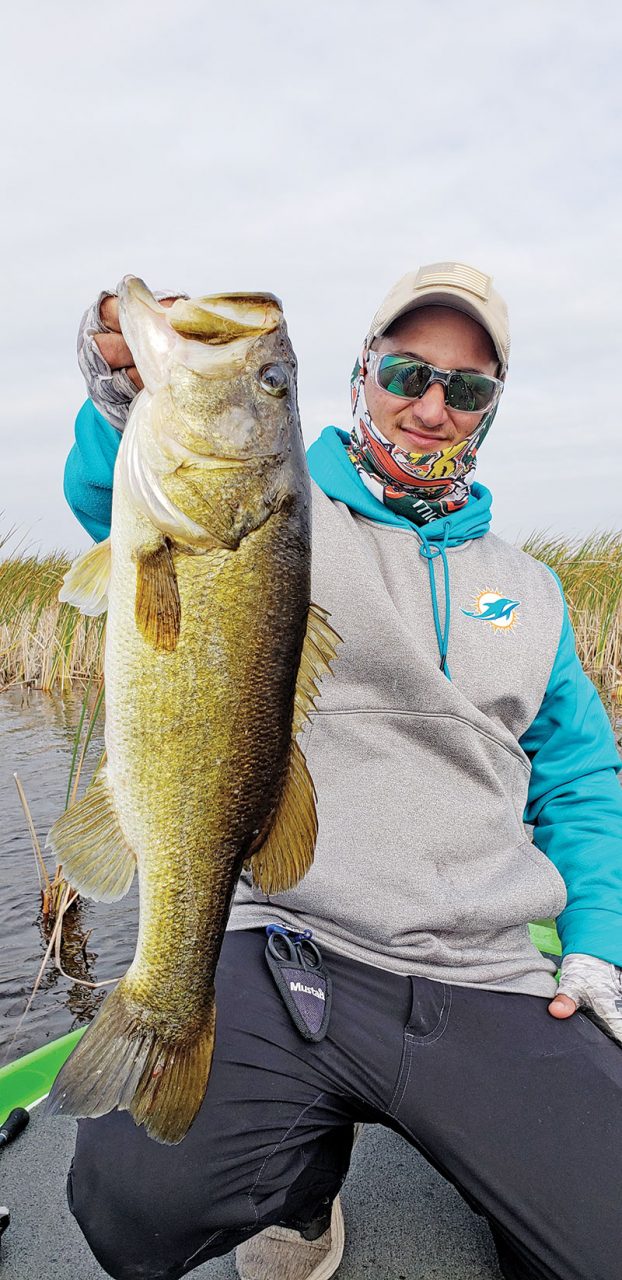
470, 392
408, 378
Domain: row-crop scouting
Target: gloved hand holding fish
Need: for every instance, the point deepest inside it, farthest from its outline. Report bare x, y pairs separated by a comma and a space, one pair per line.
213, 658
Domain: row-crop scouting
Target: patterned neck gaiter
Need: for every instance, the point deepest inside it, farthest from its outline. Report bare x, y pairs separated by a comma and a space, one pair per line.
420, 486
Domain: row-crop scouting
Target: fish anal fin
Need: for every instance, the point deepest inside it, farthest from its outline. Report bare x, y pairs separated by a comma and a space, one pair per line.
90, 846
123, 1062
86, 583
157, 607
318, 651
286, 854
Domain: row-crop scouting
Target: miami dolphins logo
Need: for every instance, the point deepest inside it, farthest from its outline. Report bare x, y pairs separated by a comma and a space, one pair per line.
498, 610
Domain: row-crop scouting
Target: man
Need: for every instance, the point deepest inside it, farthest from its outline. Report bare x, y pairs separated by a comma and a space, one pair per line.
458, 709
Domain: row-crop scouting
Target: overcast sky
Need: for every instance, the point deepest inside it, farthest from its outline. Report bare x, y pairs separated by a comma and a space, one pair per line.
320, 151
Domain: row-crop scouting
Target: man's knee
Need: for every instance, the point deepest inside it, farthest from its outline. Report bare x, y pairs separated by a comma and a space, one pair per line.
145, 1213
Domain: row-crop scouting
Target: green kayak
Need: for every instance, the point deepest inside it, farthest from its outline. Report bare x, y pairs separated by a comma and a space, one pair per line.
29, 1079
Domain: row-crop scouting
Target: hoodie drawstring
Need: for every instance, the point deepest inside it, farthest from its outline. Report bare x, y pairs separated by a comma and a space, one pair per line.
430, 552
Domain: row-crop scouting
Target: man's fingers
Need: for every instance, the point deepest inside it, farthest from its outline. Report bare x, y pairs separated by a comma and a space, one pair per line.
115, 350
113, 346
562, 1006
135, 377
109, 313
117, 354
594, 985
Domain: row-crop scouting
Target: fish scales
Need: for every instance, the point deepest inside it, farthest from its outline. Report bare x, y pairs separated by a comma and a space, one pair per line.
214, 656
203, 743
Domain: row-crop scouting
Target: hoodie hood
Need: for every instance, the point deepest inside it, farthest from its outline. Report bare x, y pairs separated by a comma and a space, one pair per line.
338, 478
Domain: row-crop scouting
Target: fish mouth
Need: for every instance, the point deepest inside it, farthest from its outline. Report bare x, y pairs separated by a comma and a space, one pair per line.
215, 318
221, 318
211, 335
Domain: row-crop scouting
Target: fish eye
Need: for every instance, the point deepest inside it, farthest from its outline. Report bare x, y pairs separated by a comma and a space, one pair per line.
273, 379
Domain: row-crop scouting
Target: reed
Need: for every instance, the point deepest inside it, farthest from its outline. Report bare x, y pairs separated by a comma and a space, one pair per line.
45, 644
590, 570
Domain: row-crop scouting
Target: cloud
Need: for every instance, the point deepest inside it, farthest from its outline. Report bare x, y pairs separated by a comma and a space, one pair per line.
321, 152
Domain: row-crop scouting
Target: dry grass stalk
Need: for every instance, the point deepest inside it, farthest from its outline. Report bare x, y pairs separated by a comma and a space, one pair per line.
57, 896
42, 871
67, 900
54, 892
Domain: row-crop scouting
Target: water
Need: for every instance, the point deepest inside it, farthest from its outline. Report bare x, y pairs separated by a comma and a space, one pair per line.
36, 742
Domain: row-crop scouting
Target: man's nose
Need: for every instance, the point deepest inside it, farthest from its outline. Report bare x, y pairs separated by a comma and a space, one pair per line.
430, 408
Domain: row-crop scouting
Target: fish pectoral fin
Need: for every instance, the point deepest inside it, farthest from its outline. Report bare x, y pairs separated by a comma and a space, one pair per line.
86, 583
89, 845
157, 608
122, 1061
287, 851
318, 651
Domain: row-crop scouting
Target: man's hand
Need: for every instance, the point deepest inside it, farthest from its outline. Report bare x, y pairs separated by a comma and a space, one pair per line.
112, 379
112, 344
593, 984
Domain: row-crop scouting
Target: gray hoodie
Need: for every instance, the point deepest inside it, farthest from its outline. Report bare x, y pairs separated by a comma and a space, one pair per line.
423, 864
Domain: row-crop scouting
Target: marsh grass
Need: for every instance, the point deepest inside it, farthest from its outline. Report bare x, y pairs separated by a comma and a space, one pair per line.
45, 645
590, 571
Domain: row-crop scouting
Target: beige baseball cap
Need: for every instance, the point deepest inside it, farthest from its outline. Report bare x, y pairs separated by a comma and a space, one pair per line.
448, 284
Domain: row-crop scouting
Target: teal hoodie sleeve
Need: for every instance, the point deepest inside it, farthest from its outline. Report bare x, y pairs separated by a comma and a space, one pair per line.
575, 803
89, 470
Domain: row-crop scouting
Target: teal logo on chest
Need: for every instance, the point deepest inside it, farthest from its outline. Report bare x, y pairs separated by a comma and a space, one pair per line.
494, 608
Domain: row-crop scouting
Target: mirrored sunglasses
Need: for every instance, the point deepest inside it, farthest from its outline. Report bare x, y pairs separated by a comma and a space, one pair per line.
409, 378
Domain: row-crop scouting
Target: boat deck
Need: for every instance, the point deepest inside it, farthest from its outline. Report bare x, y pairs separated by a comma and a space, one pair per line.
403, 1221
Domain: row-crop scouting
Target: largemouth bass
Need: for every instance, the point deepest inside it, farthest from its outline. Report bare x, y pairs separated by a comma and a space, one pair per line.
213, 658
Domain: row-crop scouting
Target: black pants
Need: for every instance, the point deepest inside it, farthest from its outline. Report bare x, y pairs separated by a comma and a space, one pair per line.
522, 1113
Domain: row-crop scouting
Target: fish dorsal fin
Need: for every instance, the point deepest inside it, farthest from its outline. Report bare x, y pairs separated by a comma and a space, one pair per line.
318, 651
86, 583
157, 608
287, 852
90, 846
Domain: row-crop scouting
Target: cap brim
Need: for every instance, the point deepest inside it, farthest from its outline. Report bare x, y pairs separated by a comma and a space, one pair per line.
439, 298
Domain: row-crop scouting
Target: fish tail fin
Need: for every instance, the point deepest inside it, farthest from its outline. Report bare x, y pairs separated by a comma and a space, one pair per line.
124, 1063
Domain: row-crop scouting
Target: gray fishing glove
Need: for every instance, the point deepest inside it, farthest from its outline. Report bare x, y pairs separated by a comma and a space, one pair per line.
111, 390
595, 985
